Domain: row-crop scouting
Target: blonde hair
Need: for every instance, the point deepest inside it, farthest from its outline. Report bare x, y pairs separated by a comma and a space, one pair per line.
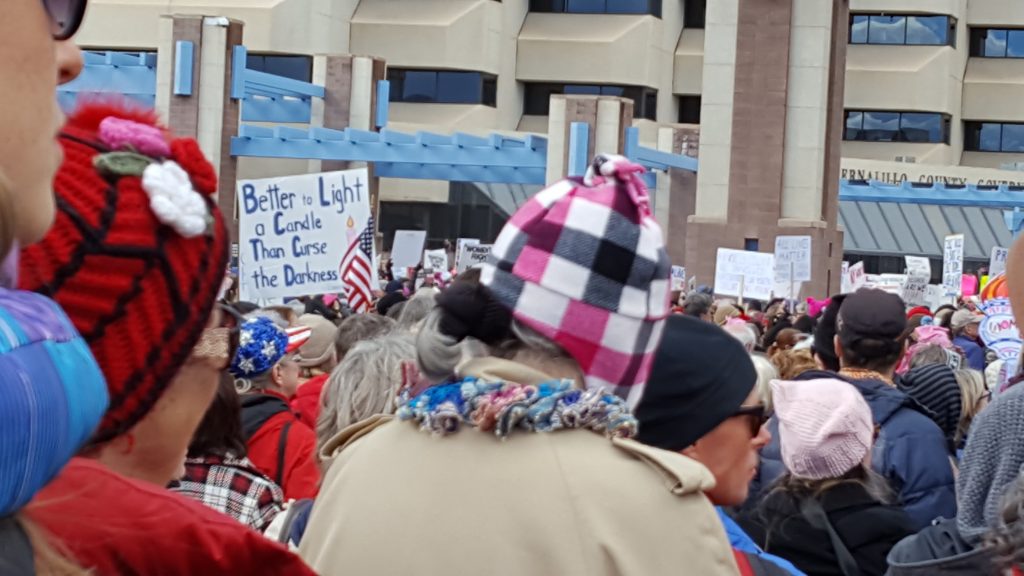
765, 374
793, 363
363, 385
972, 389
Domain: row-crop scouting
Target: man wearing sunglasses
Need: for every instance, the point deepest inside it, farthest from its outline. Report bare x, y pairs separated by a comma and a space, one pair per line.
701, 400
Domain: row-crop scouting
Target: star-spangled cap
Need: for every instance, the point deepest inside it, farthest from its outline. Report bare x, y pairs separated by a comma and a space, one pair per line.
262, 344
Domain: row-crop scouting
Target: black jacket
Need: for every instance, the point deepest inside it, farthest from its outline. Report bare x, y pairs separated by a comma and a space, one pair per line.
868, 528
939, 550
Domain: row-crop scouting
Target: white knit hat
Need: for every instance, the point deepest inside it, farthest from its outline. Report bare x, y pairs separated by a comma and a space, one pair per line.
825, 427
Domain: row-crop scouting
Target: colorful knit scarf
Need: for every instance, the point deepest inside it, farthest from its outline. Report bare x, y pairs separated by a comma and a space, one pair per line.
502, 407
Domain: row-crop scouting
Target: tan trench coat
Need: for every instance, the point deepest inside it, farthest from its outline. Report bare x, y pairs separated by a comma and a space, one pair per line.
400, 501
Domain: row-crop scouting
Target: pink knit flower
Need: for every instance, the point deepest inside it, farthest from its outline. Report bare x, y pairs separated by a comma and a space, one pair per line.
118, 134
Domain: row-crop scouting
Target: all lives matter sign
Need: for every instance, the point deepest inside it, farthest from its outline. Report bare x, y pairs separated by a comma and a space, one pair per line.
295, 230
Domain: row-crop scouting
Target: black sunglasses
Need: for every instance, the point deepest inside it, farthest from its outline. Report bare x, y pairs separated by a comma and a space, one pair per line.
65, 17
757, 416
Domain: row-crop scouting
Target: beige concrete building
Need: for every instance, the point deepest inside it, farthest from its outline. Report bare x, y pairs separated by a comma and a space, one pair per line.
929, 82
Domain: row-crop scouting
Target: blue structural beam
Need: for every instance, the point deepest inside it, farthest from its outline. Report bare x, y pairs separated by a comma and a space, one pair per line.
579, 147
383, 102
1001, 196
128, 74
183, 66
458, 157
268, 97
655, 159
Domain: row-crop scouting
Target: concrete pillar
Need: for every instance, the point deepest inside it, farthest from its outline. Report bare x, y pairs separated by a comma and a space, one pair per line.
208, 114
777, 173
682, 195
607, 116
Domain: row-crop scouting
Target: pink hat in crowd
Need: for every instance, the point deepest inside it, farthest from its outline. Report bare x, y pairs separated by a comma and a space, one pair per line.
825, 427
583, 263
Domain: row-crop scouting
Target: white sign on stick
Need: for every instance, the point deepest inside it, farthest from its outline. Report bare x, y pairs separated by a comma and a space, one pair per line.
919, 274
294, 231
435, 260
678, 278
407, 249
997, 263
744, 274
459, 244
856, 277
473, 255
953, 264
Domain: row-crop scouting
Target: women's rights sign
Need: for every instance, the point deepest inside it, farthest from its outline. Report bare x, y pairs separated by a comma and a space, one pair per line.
295, 230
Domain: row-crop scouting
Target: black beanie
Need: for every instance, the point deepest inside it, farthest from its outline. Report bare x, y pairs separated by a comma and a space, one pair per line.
701, 376
825, 333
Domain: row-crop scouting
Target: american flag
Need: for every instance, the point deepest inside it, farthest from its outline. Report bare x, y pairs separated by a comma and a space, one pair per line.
357, 271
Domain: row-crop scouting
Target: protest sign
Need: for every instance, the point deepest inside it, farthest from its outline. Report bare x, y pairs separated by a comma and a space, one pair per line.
792, 264
473, 255
919, 274
953, 264
294, 232
856, 276
844, 279
678, 278
937, 296
744, 274
407, 248
997, 262
459, 244
691, 284
891, 283
435, 260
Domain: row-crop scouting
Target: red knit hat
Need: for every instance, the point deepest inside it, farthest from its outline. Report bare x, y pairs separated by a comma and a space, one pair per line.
137, 253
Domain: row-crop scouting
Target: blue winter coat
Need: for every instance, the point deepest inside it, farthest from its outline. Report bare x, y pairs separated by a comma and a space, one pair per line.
974, 352
739, 540
911, 453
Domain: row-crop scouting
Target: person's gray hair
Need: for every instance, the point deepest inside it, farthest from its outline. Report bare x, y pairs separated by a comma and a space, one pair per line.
697, 304
416, 309
439, 354
365, 384
766, 372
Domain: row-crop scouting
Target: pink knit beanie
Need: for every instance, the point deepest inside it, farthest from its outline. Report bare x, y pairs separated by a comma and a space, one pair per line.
825, 427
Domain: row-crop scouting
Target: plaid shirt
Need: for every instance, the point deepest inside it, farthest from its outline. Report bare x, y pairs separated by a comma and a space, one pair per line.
234, 487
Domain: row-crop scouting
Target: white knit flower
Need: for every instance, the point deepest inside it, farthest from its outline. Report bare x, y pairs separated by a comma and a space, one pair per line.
173, 200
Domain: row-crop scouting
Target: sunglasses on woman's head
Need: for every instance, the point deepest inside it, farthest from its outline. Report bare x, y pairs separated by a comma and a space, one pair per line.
65, 17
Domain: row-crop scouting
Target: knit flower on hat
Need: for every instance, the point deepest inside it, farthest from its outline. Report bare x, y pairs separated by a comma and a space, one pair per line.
261, 345
171, 172
173, 199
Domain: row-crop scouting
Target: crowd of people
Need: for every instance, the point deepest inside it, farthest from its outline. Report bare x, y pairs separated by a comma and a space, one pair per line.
556, 410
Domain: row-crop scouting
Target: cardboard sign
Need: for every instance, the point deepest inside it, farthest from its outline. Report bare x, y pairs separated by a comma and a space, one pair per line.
459, 245
856, 277
473, 255
744, 274
435, 260
953, 264
678, 278
295, 230
407, 249
997, 262
919, 274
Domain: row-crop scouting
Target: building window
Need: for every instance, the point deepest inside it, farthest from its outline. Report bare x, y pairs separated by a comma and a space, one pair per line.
903, 29
290, 66
652, 7
443, 87
884, 126
997, 43
538, 97
689, 109
694, 12
994, 137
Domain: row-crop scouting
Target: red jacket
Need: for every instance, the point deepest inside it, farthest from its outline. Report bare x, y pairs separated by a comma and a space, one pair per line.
306, 402
117, 526
266, 421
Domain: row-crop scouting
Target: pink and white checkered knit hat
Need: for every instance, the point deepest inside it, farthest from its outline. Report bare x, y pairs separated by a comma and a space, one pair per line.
825, 427
584, 264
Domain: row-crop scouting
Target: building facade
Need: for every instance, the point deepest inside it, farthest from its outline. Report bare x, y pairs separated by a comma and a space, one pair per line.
928, 82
